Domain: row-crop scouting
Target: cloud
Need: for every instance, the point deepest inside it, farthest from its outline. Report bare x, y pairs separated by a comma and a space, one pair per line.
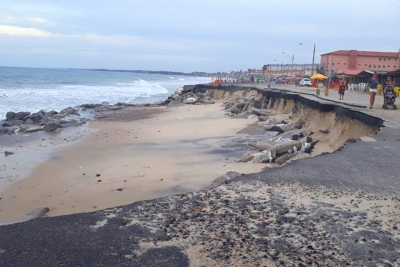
22, 31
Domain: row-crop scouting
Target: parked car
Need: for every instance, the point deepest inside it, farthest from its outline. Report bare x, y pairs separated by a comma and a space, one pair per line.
305, 82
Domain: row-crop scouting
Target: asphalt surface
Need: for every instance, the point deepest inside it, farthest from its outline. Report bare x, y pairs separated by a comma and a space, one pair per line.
83, 240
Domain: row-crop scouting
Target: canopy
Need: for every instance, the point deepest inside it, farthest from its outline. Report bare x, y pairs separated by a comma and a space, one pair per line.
318, 76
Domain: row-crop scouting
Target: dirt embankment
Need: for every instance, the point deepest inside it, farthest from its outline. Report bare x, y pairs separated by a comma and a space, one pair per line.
332, 125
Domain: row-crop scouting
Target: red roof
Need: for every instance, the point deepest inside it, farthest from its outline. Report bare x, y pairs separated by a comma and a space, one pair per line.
364, 53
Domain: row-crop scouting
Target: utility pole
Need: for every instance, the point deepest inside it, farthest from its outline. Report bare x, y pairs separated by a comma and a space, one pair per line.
292, 65
313, 57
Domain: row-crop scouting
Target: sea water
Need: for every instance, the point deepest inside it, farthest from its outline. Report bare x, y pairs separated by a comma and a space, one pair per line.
34, 89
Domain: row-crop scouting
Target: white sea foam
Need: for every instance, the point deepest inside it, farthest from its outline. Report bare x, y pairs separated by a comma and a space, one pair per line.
57, 98
26, 89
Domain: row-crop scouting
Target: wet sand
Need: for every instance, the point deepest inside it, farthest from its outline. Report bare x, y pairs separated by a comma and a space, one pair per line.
178, 150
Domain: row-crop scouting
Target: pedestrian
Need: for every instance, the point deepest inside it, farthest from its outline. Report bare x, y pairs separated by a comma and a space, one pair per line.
252, 79
342, 87
258, 79
373, 88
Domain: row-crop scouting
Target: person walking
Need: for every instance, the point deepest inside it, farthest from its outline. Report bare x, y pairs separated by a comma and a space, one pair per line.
373, 88
342, 87
252, 79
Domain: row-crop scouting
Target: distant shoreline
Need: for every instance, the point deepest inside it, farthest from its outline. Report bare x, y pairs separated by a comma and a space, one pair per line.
198, 74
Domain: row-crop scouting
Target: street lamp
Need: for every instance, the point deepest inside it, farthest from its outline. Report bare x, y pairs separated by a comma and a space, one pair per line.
312, 68
291, 69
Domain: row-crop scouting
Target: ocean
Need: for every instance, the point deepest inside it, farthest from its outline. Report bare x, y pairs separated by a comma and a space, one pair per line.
34, 89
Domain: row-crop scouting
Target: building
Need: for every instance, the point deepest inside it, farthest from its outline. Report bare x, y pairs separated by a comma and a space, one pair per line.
352, 62
298, 70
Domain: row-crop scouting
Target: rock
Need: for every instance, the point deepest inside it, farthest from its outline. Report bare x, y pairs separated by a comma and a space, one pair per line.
88, 106
260, 145
221, 180
324, 131
246, 158
51, 113
113, 107
245, 107
262, 118
235, 111
50, 127
174, 97
10, 116
252, 117
284, 158
263, 157
97, 175
104, 103
17, 116
8, 153
69, 111
29, 121
119, 189
99, 181
283, 148
280, 128
190, 100
309, 139
25, 128
4, 130
260, 112
38, 212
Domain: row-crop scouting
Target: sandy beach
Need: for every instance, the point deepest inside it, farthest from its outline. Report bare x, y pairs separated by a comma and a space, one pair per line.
158, 152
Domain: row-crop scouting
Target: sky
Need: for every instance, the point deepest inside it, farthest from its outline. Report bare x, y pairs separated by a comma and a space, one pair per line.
190, 35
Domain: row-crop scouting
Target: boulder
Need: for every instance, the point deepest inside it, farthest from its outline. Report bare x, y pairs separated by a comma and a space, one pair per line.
35, 117
252, 117
236, 111
260, 112
280, 128
174, 97
283, 148
284, 158
50, 127
263, 157
190, 100
11, 116
38, 212
51, 113
113, 107
69, 111
29, 121
88, 105
261, 145
223, 178
25, 128
262, 118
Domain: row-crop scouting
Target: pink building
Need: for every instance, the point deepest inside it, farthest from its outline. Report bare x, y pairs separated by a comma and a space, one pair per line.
352, 62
